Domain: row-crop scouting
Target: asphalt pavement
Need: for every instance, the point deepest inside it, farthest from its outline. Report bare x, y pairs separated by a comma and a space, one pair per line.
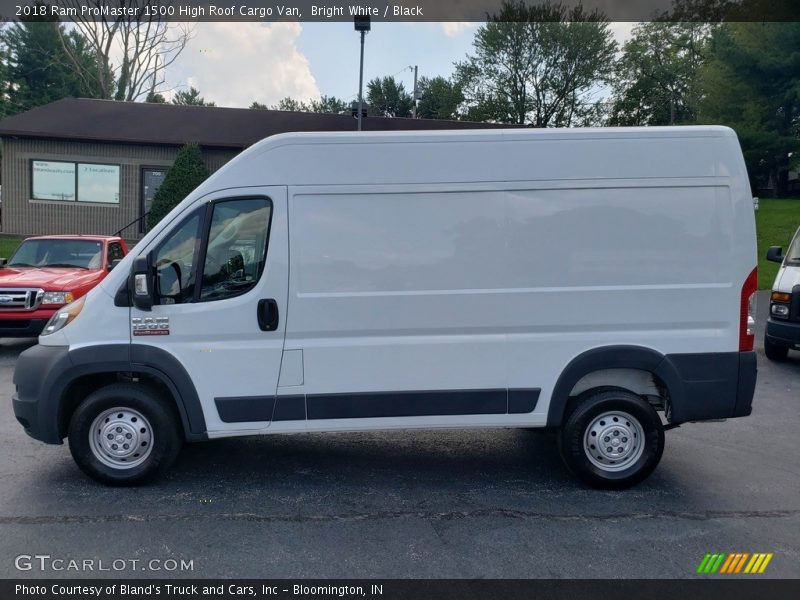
422, 504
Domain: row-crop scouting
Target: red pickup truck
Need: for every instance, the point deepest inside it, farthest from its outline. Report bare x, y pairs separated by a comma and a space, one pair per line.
47, 272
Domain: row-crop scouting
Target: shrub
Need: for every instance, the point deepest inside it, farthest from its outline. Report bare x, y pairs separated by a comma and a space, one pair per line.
187, 172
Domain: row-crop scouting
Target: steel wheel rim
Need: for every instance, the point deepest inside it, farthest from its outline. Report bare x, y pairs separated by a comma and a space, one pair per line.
121, 438
613, 441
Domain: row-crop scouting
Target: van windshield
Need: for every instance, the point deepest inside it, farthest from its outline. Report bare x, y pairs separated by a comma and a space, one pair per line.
793, 255
81, 254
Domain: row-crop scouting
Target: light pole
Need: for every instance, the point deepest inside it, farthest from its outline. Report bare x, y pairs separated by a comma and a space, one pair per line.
362, 24
414, 96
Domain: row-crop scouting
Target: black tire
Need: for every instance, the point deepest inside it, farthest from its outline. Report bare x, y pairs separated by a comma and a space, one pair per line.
640, 458
139, 405
775, 352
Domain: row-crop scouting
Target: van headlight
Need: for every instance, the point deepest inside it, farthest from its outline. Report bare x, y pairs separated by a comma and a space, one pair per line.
64, 316
57, 298
779, 305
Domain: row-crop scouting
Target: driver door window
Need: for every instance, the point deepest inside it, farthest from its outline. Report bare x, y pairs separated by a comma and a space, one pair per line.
237, 248
228, 265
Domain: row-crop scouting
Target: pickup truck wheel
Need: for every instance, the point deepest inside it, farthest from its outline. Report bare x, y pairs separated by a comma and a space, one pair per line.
613, 439
124, 434
775, 352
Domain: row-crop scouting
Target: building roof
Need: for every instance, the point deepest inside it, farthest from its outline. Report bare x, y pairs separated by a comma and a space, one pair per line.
167, 124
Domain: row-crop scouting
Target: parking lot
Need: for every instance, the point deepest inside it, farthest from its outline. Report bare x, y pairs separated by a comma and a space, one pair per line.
463, 504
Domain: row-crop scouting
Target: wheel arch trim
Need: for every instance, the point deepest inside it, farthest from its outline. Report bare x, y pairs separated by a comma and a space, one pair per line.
149, 360
611, 357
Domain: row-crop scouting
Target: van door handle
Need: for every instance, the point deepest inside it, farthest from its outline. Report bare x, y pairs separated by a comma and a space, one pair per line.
268, 318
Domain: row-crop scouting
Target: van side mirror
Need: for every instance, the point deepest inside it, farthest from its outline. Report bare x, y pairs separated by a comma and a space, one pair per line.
774, 254
114, 263
3, 262
140, 282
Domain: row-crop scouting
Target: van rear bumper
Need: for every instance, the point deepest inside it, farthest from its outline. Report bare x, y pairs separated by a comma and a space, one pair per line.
711, 386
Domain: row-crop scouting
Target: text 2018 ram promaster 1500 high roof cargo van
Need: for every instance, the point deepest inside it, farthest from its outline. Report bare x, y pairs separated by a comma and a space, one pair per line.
594, 281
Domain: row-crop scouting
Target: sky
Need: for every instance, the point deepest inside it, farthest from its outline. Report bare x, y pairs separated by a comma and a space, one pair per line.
234, 64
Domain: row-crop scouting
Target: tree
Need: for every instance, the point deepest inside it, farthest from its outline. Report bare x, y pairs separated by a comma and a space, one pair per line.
324, 104
5, 83
537, 64
258, 106
186, 173
440, 98
752, 84
155, 98
37, 69
388, 98
132, 52
656, 80
291, 104
329, 105
190, 97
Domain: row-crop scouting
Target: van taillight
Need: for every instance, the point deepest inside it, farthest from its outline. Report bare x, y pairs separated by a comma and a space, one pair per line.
747, 312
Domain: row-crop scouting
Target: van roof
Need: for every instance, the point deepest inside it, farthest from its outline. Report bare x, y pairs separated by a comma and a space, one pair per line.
682, 131
481, 155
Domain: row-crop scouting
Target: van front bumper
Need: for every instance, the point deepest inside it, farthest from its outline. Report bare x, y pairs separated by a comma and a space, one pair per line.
38, 376
783, 333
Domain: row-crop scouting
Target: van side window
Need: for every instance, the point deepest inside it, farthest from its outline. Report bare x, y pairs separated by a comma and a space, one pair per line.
237, 247
174, 262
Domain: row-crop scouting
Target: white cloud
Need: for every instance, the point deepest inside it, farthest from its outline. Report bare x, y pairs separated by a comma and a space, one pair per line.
456, 28
234, 64
622, 30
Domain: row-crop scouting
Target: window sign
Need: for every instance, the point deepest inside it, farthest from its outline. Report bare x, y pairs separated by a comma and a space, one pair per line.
98, 183
53, 180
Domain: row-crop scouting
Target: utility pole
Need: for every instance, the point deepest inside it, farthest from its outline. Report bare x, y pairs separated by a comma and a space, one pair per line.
362, 24
414, 97
672, 107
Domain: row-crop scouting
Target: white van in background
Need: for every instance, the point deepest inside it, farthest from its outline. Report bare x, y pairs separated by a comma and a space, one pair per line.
598, 282
783, 325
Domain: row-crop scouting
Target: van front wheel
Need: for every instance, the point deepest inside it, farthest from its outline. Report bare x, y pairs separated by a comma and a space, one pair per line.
613, 439
775, 352
124, 434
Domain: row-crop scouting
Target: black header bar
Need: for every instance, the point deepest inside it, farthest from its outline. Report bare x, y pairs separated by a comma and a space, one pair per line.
387, 10
392, 589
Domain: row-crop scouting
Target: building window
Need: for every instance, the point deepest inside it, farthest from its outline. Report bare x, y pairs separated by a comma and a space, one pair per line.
71, 182
53, 180
98, 183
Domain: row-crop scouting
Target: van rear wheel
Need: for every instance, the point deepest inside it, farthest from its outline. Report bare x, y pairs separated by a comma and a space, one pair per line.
613, 439
124, 434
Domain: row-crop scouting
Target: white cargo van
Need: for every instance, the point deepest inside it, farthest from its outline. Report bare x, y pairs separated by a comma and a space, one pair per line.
597, 282
783, 324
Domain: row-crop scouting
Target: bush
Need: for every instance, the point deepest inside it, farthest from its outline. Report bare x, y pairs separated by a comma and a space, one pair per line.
187, 172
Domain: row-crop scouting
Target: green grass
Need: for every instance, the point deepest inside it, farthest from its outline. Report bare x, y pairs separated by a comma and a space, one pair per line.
776, 222
7, 245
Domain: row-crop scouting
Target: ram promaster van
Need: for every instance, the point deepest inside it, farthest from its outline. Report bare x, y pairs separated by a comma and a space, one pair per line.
596, 282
